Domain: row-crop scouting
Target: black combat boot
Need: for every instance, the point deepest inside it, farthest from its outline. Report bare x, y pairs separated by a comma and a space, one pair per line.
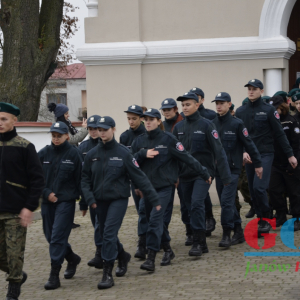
149, 264
251, 212
238, 235
97, 261
280, 218
141, 250
107, 279
297, 223
196, 248
203, 244
53, 282
226, 239
123, 260
210, 223
73, 261
264, 226
14, 291
168, 255
189, 235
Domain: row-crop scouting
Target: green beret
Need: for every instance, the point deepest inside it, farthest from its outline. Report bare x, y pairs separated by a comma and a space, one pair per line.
231, 107
293, 92
245, 101
281, 93
9, 108
296, 97
266, 99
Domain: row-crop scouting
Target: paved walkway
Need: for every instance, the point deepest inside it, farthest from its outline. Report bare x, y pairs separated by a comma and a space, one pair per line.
219, 274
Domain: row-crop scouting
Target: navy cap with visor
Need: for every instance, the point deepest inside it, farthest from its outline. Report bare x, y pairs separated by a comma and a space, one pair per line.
92, 121
134, 109
106, 122
197, 91
168, 103
59, 127
188, 96
152, 112
225, 97
256, 83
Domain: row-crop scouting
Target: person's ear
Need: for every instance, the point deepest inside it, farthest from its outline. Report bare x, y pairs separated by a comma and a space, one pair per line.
68, 137
261, 92
197, 104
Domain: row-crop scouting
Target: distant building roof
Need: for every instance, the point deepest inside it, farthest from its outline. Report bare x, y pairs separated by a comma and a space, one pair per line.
74, 71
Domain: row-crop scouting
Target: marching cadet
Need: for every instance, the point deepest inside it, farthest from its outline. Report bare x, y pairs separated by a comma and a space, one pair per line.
21, 185
291, 104
137, 128
84, 148
172, 117
262, 120
201, 139
106, 175
62, 170
234, 136
158, 152
210, 115
296, 102
283, 177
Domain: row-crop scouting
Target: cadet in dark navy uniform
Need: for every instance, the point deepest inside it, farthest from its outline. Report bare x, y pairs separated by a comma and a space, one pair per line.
172, 117
62, 164
263, 124
106, 175
137, 128
234, 136
84, 148
201, 139
283, 177
210, 115
296, 101
158, 152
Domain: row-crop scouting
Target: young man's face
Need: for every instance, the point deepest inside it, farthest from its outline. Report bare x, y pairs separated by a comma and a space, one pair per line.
222, 107
58, 138
169, 113
254, 92
93, 132
7, 122
189, 107
134, 120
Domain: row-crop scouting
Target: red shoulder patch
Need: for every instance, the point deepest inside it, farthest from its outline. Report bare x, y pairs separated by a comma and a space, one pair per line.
135, 162
245, 132
179, 147
215, 134
276, 114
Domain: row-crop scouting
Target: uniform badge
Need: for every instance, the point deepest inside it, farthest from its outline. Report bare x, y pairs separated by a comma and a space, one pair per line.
186, 93
253, 80
245, 132
166, 102
179, 147
149, 110
133, 107
219, 95
276, 114
271, 102
215, 134
297, 130
102, 120
135, 162
194, 89
56, 125
92, 119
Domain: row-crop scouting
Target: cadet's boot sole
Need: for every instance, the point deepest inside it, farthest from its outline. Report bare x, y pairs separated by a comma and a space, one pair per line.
225, 245
140, 255
104, 287
147, 269
52, 288
195, 253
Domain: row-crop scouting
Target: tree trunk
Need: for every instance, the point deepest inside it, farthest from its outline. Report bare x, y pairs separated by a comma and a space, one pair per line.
31, 43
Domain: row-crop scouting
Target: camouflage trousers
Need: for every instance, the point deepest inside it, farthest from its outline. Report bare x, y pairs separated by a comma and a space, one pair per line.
12, 246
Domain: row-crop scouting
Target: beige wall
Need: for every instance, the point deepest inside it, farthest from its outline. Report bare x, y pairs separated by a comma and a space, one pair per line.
111, 89
155, 20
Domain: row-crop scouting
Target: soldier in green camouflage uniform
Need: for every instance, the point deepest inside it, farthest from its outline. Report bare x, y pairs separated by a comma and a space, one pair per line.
21, 184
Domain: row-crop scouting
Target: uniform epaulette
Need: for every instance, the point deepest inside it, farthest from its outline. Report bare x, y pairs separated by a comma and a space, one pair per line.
18, 141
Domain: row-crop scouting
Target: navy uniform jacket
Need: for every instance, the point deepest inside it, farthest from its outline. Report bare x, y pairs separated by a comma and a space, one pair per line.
262, 122
62, 170
235, 137
87, 145
162, 170
292, 131
169, 124
207, 113
200, 138
297, 116
106, 173
129, 135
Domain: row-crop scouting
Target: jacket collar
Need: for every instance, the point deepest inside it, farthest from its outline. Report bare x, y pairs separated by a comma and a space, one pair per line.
139, 130
194, 117
172, 120
255, 103
154, 133
109, 145
94, 141
7, 136
61, 147
201, 107
225, 117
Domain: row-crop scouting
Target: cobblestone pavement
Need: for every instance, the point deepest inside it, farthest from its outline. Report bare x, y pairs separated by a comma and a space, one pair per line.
219, 274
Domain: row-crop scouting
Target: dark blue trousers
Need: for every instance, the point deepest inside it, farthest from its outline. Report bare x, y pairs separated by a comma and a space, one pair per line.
169, 209
140, 208
258, 187
229, 213
97, 235
157, 231
57, 225
110, 216
185, 217
195, 193
208, 203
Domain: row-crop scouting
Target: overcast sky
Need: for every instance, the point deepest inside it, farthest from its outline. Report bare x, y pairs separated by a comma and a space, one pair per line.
81, 13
